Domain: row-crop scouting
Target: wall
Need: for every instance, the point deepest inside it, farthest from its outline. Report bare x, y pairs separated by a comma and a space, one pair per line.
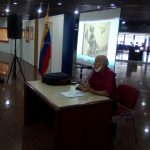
25, 50
135, 27
68, 43
10, 46
28, 47
56, 24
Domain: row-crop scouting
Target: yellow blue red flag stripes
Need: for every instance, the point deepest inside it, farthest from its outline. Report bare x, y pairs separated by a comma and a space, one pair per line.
45, 54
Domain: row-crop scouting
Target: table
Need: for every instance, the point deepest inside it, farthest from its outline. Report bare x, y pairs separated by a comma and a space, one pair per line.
80, 123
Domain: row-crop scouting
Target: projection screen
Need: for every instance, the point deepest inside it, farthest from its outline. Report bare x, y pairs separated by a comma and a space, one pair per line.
97, 35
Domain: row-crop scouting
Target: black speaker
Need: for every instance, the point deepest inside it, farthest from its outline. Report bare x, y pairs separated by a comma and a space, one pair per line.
14, 26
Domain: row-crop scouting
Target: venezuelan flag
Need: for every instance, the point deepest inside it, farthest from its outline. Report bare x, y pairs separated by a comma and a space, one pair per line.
45, 53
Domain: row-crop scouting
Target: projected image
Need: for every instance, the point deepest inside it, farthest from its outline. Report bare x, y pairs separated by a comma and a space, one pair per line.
97, 35
95, 39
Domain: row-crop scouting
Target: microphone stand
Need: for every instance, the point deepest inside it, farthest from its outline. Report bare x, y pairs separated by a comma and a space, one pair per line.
81, 70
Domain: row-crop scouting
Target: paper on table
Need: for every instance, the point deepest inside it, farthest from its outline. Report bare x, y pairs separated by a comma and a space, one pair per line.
74, 93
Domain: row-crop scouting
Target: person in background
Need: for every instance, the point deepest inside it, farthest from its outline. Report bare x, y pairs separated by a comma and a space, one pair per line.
102, 80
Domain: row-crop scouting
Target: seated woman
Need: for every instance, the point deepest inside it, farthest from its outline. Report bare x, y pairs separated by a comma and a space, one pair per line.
102, 80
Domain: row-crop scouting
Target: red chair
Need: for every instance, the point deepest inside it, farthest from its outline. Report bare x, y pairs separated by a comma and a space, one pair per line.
127, 99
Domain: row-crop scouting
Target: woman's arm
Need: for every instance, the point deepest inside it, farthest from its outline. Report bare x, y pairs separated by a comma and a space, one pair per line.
101, 93
87, 88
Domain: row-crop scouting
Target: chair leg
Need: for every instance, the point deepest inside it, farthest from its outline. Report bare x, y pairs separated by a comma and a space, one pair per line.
134, 130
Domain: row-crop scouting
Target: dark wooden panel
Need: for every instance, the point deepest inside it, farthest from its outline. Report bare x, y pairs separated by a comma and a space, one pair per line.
131, 9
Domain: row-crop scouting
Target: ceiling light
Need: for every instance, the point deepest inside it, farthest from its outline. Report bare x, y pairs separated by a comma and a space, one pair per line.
123, 22
112, 5
146, 130
39, 10
15, 3
59, 3
76, 12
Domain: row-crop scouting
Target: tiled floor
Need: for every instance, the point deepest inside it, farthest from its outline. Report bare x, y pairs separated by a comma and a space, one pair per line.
12, 108
138, 75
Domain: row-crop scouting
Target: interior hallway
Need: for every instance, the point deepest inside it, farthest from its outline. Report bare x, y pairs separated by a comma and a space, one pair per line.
12, 109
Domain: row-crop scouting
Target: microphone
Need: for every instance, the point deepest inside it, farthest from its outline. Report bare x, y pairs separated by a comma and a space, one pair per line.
89, 67
84, 67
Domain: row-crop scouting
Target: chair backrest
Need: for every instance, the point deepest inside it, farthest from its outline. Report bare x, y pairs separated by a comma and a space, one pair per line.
128, 95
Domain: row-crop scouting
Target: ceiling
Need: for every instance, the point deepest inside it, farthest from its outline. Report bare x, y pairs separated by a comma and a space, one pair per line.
133, 10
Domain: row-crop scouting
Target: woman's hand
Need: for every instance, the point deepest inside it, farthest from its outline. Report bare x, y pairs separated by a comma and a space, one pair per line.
83, 88
87, 88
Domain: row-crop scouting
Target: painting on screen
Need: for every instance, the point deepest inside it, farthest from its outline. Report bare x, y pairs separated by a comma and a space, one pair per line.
95, 39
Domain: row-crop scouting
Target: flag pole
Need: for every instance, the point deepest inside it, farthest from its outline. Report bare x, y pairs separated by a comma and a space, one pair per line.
45, 53
47, 21
46, 18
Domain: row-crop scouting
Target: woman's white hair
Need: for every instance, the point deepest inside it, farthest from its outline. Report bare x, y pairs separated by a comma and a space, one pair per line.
104, 59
